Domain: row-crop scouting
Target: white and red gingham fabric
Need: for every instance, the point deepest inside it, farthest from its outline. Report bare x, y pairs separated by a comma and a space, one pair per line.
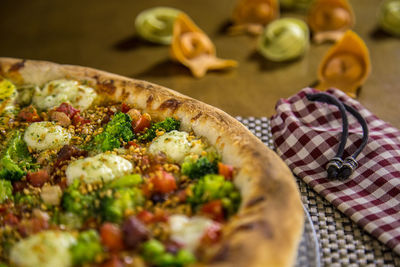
307, 134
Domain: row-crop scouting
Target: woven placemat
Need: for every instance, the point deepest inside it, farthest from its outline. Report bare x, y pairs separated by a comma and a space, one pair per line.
342, 242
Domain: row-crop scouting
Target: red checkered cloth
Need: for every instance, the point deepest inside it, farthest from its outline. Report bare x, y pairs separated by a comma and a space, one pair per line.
307, 136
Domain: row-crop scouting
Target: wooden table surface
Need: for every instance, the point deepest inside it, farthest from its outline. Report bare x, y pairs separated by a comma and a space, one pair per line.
100, 34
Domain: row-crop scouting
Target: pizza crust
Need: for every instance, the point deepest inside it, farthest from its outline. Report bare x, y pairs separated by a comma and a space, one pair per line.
268, 226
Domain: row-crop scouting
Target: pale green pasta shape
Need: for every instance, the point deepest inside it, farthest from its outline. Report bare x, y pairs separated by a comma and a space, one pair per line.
296, 4
389, 16
156, 24
284, 39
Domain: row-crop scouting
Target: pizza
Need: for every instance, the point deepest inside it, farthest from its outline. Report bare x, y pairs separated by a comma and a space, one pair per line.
101, 170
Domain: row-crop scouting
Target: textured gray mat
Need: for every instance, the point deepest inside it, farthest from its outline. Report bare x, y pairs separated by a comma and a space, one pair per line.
342, 242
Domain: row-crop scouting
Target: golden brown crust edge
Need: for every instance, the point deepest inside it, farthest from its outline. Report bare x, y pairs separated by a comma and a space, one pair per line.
268, 227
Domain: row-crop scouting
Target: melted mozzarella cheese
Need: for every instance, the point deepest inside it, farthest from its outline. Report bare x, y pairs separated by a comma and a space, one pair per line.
57, 92
46, 135
175, 145
45, 249
188, 231
102, 167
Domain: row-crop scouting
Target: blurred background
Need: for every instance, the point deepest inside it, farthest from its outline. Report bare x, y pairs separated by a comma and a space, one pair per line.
101, 34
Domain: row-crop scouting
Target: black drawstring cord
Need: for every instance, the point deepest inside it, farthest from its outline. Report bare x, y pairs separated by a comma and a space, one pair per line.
334, 165
350, 163
337, 168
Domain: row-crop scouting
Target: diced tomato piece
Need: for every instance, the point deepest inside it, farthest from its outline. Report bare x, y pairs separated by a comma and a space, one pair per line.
142, 123
68, 109
214, 210
113, 262
11, 219
145, 216
132, 143
125, 107
163, 182
212, 234
111, 237
225, 170
29, 114
79, 120
38, 178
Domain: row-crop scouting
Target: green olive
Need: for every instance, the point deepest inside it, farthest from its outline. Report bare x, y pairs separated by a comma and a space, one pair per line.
284, 39
156, 24
389, 16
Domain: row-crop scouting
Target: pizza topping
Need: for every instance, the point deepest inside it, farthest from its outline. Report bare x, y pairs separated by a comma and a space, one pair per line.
188, 231
38, 178
112, 237
103, 167
29, 114
175, 145
86, 248
57, 92
117, 130
40, 136
15, 159
6, 191
111, 182
54, 244
192, 47
135, 232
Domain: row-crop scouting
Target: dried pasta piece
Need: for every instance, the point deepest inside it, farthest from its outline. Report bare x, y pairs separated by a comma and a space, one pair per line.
192, 47
346, 65
389, 17
250, 16
284, 39
155, 24
330, 19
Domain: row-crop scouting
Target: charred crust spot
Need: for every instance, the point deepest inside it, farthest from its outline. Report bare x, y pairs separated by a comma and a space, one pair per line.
107, 87
171, 103
125, 93
149, 100
17, 66
255, 201
263, 227
197, 116
139, 85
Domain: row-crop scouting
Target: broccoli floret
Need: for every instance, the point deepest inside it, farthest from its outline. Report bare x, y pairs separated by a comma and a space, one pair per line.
212, 187
87, 247
196, 168
167, 125
154, 252
16, 160
6, 190
29, 200
73, 200
119, 128
114, 206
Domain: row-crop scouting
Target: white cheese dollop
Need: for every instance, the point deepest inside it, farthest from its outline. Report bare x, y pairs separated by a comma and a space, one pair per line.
45, 249
102, 167
56, 92
188, 231
46, 135
175, 145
